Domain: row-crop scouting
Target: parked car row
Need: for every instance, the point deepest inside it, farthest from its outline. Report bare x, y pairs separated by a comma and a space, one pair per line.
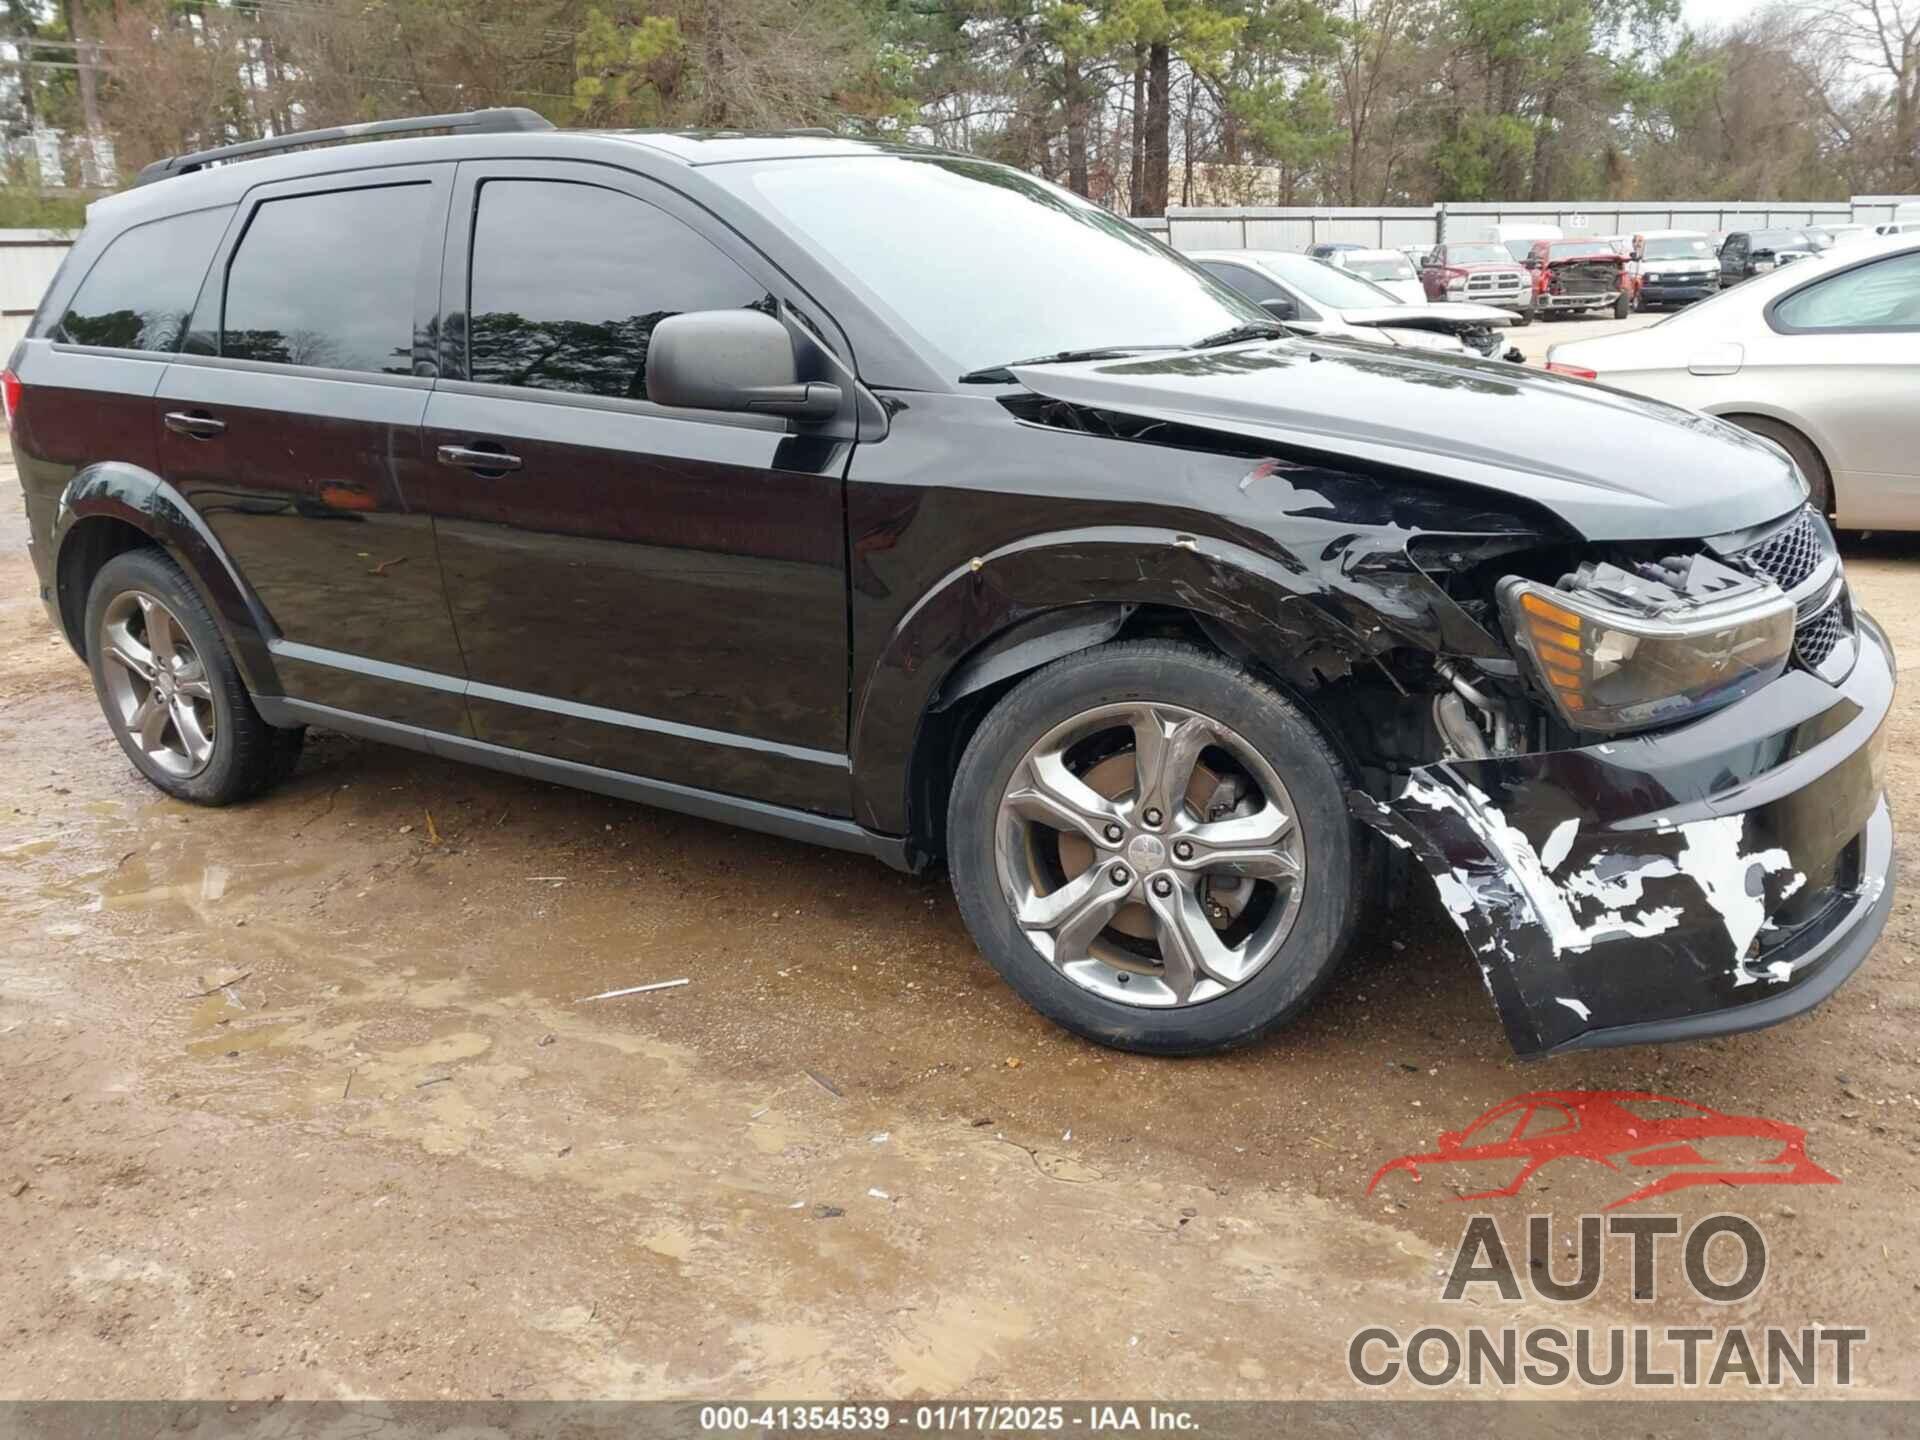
1558, 273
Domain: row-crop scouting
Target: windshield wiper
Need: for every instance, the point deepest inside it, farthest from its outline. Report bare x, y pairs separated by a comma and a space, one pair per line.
1003, 374
1258, 330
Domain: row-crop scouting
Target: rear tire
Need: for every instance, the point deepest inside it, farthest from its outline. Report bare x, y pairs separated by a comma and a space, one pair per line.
170, 690
1247, 740
1819, 479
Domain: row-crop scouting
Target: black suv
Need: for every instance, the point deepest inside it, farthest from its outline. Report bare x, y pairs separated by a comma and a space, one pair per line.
898, 501
1747, 253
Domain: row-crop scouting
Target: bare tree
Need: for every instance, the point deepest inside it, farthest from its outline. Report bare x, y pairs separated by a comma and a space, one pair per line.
1883, 36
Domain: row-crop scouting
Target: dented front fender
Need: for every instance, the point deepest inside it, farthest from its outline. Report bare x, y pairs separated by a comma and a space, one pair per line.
1722, 876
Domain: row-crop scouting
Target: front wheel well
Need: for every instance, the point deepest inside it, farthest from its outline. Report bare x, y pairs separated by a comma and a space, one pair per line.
88, 546
947, 728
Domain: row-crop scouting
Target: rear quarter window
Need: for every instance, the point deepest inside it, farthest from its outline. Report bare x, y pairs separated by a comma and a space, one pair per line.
141, 290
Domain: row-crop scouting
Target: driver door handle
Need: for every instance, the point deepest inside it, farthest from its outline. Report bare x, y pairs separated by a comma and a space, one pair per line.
194, 424
468, 458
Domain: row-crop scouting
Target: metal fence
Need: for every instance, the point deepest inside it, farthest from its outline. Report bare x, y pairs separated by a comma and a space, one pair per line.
1389, 227
28, 259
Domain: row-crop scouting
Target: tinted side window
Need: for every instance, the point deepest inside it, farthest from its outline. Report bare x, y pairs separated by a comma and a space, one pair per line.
569, 280
328, 280
140, 291
1882, 296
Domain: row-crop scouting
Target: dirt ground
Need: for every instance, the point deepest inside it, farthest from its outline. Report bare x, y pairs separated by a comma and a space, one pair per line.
303, 1099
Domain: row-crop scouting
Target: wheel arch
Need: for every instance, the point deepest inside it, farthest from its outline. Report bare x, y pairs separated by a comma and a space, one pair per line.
980, 631
109, 509
1786, 420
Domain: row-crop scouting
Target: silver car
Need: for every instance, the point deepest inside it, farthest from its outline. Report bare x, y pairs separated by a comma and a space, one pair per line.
1821, 356
1314, 297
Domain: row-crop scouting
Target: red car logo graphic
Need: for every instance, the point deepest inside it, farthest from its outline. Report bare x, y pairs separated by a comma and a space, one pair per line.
1630, 1131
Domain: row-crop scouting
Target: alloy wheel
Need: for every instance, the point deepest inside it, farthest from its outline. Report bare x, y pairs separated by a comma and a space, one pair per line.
157, 683
1150, 854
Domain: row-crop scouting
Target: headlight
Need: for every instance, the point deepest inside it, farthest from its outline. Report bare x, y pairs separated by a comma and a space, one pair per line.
1610, 668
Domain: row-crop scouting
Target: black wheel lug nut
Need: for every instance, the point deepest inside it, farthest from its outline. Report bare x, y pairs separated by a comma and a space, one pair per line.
1120, 876
1183, 850
1152, 817
1114, 832
1163, 886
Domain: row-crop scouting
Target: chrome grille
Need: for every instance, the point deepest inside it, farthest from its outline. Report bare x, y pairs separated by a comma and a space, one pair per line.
1815, 638
1796, 557
1497, 280
1791, 553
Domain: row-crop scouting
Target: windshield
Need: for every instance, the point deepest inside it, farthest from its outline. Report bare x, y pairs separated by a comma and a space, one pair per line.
1386, 268
1478, 255
1578, 249
1321, 283
1676, 247
986, 264
1777, 240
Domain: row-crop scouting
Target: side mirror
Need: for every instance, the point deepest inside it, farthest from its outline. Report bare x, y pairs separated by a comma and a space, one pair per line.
732, 360
1281, 307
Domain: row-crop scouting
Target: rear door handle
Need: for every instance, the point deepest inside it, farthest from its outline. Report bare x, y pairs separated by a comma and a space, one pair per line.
195, 424
470, 458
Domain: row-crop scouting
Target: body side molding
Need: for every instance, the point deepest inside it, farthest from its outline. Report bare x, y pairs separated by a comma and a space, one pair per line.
663, 794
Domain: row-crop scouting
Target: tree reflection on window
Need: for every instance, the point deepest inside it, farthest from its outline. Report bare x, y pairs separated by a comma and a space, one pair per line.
140, 291
328, 280
570, 279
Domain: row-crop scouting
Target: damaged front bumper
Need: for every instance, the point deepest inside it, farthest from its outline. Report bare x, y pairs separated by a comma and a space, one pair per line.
1722, 876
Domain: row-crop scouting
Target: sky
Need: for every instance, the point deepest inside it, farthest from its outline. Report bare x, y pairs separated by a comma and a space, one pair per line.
1702, 13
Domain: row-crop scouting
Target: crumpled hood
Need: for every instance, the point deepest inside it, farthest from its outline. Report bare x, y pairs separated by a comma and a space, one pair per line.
1449, 317
1613, 466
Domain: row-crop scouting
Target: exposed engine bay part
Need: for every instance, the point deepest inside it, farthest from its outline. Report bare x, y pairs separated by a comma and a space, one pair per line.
1473, 725
1664, 587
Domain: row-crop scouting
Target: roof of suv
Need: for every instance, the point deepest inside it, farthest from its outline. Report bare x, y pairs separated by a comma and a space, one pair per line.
218, 179
720, 147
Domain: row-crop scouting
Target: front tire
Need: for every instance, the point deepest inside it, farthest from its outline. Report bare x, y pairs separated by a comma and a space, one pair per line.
1622, 306
170, 691
1151, 845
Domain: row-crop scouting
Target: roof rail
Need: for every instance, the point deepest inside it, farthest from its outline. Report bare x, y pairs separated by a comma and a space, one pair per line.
467, 122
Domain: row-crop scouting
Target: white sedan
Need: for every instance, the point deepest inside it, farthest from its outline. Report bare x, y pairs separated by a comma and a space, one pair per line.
1314, 298
1391, 270
1821, 356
